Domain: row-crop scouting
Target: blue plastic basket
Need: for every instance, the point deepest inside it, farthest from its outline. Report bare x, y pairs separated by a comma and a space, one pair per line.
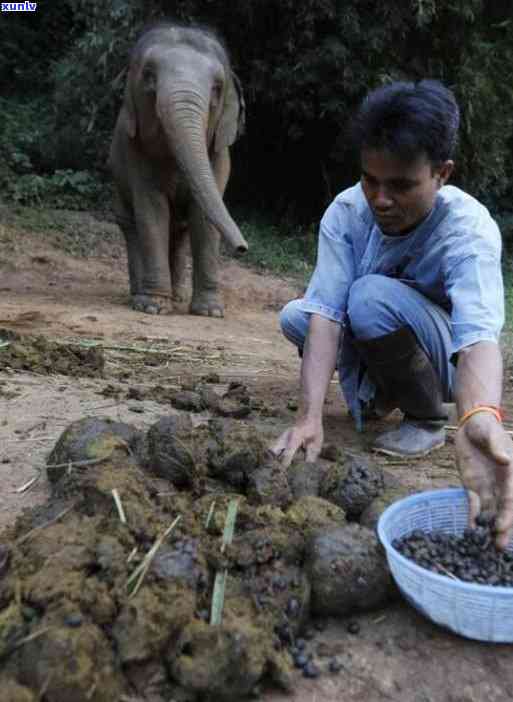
482, 612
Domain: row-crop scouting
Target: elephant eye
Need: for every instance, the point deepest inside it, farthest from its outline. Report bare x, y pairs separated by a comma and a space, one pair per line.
217, 90
148, 77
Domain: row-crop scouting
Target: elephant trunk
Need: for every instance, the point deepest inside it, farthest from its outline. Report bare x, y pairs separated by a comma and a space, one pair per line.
183, 123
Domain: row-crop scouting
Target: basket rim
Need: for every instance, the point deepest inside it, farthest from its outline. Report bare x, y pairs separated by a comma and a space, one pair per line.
477, 588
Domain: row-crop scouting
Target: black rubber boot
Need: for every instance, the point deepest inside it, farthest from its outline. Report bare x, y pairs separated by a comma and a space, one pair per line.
404, 375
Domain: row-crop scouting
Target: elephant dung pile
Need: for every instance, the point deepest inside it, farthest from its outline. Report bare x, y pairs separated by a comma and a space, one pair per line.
38, 355
106, 592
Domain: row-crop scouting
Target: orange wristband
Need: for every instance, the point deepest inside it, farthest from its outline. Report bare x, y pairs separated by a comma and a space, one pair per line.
496, 411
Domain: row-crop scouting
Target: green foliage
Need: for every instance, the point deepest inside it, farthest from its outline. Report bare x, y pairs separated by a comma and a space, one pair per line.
20, 132
89, 79
63, 188
283, 250
508, 297
304, 67
505, 222
30, 41
26, 176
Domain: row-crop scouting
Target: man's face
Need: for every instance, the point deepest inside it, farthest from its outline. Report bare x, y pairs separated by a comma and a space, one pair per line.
400, 194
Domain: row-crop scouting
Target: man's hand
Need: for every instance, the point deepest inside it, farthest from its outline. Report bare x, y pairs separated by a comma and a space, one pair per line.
484, 455
317, 366
305, 434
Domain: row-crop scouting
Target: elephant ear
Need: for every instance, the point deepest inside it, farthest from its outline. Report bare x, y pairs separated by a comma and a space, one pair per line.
128, 111
233, 118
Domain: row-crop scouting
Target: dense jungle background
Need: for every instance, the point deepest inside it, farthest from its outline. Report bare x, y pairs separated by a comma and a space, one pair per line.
304, 67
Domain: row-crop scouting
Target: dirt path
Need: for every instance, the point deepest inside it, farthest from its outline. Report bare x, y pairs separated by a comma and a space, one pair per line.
397, 655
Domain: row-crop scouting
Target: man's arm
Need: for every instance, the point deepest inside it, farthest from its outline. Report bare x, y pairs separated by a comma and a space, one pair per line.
484, 451
479, 376
319, 362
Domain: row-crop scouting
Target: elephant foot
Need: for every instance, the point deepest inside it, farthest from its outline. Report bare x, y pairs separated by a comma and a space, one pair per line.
180, 298
207, 307
152, 304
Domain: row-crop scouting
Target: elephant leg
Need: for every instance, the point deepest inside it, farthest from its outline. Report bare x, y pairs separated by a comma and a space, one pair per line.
205, 239
152, 222
178, 262
126, 222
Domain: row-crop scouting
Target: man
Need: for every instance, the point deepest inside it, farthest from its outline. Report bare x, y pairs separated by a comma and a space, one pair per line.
409, 268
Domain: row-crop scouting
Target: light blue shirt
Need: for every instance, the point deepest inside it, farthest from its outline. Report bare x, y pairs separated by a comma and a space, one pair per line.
453, 258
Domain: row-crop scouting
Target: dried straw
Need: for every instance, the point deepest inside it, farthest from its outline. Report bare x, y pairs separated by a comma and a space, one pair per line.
139, 573
216, 613
210, 514
30, 483
119, 505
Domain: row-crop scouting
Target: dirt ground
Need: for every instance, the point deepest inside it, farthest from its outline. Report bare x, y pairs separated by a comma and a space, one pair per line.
46, 289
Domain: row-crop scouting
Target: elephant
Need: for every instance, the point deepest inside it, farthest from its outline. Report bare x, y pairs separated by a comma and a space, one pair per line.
183, 108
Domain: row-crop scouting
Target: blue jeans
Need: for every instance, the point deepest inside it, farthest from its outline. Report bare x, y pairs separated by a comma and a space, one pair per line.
378, 305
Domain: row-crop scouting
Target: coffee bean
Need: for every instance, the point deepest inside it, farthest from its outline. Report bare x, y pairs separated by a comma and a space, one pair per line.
301, 660
311, 670
301, 644
486, 519
74, 620
293, 607
334, 666
471, 556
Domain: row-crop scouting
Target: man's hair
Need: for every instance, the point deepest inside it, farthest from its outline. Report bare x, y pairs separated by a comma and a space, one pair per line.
409, 119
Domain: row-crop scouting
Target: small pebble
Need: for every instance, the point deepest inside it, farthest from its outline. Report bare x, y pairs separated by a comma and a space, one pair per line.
353, 627
6, 460
311, 670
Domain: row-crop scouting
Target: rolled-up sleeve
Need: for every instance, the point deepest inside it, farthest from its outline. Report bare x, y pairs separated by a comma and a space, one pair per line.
334, 273
475, 288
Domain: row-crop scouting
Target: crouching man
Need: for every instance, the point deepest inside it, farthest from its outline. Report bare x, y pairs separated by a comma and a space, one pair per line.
407, 300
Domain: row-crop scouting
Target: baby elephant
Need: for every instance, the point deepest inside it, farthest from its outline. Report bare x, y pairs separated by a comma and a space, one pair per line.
183, 109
